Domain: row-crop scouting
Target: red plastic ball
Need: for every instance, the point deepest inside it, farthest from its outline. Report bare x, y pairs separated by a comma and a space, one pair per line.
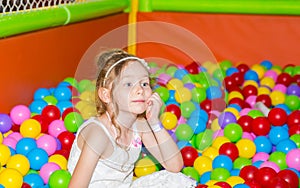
192, 68
229, 83
15, 128
296, 79
223, 184
248, 172
264, 175
260, 126
277, 116
264, 99
66, 139
295, 129
249, 90
63, 152
253, 184
44, 124
290, 177
218, 104
237, 101
202, 186
229, 149
25, 185
285, 79
189, 155
50, 113
245, 122
206, 105
278, 182
243, 68
173, 108
238, 78
294, 118
73, 90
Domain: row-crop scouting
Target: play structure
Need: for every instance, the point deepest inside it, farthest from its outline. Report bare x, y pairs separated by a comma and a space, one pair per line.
40, 48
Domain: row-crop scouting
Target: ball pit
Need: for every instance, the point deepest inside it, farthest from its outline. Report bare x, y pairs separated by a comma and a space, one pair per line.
225, 140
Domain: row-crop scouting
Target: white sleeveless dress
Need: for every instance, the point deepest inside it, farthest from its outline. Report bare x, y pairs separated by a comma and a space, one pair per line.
116, 171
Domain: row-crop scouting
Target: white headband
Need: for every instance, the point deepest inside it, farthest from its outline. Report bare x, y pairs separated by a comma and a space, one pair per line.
142, 61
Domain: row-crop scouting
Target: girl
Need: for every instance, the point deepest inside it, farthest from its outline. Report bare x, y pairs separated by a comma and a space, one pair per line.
107, 146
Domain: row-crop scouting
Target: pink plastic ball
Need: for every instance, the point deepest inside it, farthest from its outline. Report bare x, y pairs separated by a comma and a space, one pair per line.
56, 127
163, 78
245, 111
260, 156
19, 113
247, 135
280, 87
272, 74
270, 164
293, 159
11, 142
251, 100
48, 143
15, 135
47, 169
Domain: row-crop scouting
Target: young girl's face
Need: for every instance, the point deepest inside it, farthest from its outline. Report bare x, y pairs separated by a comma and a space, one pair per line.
133, 89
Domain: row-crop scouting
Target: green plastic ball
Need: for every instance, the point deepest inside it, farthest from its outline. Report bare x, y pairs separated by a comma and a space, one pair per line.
240, 162
225, 64
198, 94
233, 132
191, 172
184, 132
296, 139
163, 93
279, 158
293, 102
187, 107
255, 113
219, 174
72, 81
204, 139
73, 121
59, 179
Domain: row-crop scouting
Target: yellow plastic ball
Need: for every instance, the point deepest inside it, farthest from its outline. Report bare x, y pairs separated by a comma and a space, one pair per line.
250, 82
234, 180
19, 162
267, 81
7, 133
11, 178
211, 152
277, 97
246, 148
88, 96
235, 94
215, 125
259, 70
263, 91
1, 138
203, 164
30, 128
278, 71
144, 167
219, 141
211, 183
169, 120
60, 160
174, 84
182, 95
81, 105
4, 154
88, 111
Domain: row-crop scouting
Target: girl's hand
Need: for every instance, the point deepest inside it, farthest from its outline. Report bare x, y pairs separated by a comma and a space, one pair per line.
154, 105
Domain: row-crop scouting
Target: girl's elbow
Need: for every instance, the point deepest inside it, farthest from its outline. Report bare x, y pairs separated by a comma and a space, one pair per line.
175, 166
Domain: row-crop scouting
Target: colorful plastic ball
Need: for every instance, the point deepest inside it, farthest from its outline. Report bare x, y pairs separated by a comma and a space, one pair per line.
198, 94
189, 155
37, 106
11, 178
203, 164
222, 184
25, 145
30, 128
184, 132
37, 158
233, 132
62, 93
231, 70
260, 156
173, 108
50, 113
268, 82
277, 97
260, 126
180, 73
242, 68
270, 164
34, 180
50, 100
267, 64
240, 162
293, 159
277, 116
251, 75
197, 124
183, 94
210, 152
294, 129
5, 123
278, 134
226, 118
48, 143
290, 177
238, 78
234, 180
264, 175
278, 182
144, 167
41, 93
272, 74
249, 90
204, 139
191, 172
218, 104
279, 158
286, 146
60, 179
187, 108
219, 174
4, 154
280, 87
174, 84
73, 121
260, 70
222, 161
229, 149
248, 173
163, 93
229, 83
263, 144
19, 113
169, 120
296, 138
246, 147
294, 118
293, 102
66, 139
245, 122
47, 169
293, 89
56, 127
213, 92
204, 178
251, 100
219, 141
18, 162
60, 160
63, 105
284, 79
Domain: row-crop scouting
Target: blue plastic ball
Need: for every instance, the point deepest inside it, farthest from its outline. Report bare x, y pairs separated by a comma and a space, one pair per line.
235, 172
182, 143
40, 93
197, 124
213, 92
222, 161
285, 146
200, 113
278, 134
231, 70
205, 177
62, 93
257, 163
37, 158
266, 63
263, 144
25, 145
37, 106
63, 105
180, 73
251, 75
34, 180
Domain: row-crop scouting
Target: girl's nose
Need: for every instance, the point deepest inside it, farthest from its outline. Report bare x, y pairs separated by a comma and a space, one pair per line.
139, 89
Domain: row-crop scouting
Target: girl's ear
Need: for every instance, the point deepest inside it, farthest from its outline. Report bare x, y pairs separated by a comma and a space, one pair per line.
104, 94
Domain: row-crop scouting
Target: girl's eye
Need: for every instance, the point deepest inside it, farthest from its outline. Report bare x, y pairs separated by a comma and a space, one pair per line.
128, 84
145, 84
